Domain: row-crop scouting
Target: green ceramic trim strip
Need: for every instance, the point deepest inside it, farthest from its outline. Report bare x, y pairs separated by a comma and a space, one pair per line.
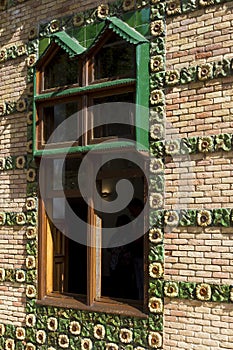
220, 293
186, 6
12, 52
142, 95
218, 217
192, 145
18, 218
207, 71
83, 89
82, 149
21, 276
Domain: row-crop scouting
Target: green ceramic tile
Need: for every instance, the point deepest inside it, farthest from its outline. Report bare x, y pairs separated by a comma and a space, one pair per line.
79, 34
43, 44
88, 43
91, 31
130, 18
142, 17
144, 29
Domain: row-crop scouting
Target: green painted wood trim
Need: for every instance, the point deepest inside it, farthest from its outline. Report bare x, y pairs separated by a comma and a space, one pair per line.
142, 96
84, 89
34, 115
82, 149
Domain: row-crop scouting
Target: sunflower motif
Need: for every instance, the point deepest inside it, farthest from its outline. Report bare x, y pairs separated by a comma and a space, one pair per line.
156, 63
29, 147
29, 118
111, 346
205, 144
128, 5
20, 333
30, 346
20, 276
31, 175
126, 335
173, 7
157, 28
30, 291
20, 162
156, 200
172, 77
30, 262
171, 289
102, 11
40, 336
31, 60
2, 108
78, 20
156, 97
171, 218
52, 324
32, 33
156, 166
204, 218
30, 320
155, 340
10, 344
157, 131
206, 2
75, 328
2, 218
99, 331
155, 270
86, 344
2, 163
21, 50
30, 203
204, 71
139, 348
155, 305
30, 89
3, 55
172, 147
63, 341
31, 232
20, 219
54, 26
21, 105
203, 291
155, 235
2, 329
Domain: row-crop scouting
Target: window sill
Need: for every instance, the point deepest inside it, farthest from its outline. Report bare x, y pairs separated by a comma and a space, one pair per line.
106, 305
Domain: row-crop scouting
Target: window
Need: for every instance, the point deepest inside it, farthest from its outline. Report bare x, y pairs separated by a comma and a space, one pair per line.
69, 80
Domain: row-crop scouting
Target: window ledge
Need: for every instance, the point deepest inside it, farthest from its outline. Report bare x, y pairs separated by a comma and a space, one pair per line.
104, 305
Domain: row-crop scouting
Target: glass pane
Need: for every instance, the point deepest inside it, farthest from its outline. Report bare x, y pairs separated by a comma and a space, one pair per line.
54, 116
115, 59
122, 266
60, 71
111, 130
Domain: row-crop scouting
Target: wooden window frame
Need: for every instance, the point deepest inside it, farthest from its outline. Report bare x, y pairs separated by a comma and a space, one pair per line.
93, 302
